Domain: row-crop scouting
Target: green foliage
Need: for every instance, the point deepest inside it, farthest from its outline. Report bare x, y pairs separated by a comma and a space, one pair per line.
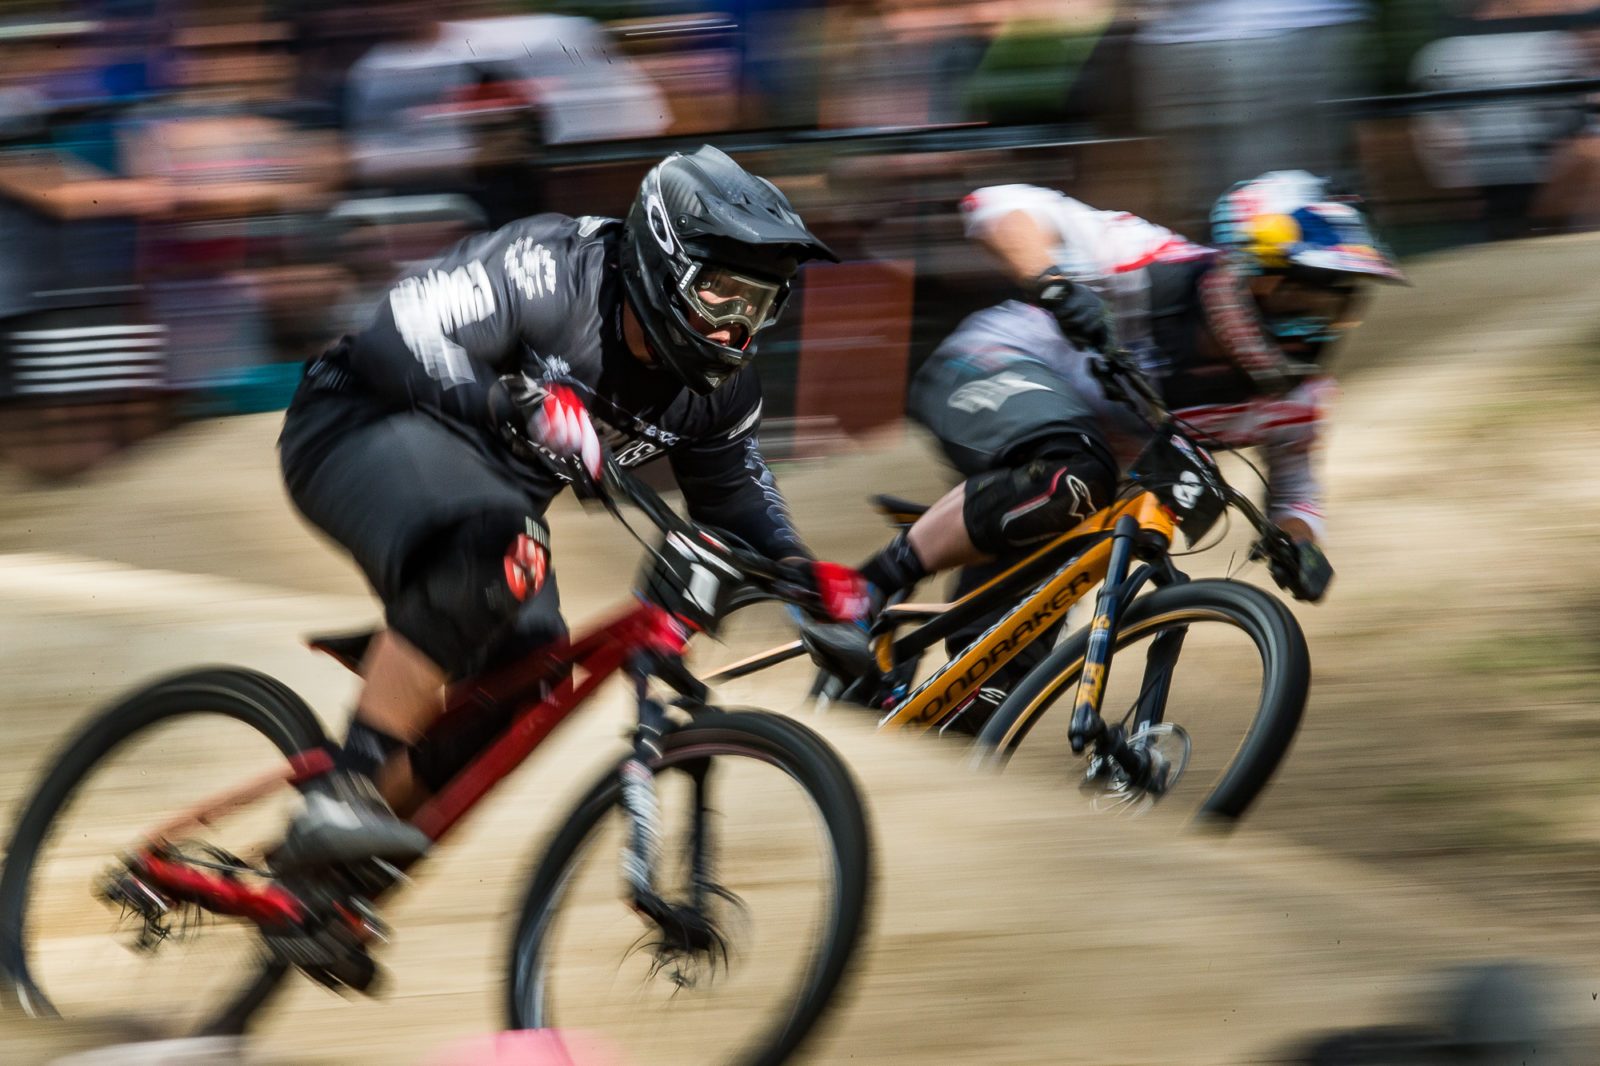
1029, 69
1399, 30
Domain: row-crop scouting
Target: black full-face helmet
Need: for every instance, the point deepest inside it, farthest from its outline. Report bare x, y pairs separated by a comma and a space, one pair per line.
709, 252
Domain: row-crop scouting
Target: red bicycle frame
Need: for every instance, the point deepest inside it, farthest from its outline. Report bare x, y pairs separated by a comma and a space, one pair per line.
597, 656
576, 667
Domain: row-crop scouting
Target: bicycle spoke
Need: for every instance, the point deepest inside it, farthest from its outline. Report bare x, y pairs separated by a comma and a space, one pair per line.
745, 893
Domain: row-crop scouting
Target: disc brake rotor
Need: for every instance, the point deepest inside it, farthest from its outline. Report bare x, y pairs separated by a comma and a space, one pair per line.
1114, 792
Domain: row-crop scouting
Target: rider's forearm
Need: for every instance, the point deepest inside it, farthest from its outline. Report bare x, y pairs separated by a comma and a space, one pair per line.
1024, 246
729, 486
940, 536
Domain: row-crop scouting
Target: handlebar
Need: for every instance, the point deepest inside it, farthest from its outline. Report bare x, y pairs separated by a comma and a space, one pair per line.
1125, 383
617, 482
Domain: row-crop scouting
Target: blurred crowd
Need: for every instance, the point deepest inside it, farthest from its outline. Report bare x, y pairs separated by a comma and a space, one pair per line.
195, 195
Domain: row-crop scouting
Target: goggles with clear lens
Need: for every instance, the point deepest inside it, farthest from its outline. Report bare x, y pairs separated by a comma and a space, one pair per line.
724, 299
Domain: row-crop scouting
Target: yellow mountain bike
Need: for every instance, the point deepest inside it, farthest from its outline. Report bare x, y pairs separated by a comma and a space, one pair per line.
1222, 661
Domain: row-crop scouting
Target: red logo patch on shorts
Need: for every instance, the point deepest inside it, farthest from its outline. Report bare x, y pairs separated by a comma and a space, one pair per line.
525, 566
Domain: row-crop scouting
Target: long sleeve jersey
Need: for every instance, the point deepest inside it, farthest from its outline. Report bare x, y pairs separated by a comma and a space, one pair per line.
543, 296
1165, 293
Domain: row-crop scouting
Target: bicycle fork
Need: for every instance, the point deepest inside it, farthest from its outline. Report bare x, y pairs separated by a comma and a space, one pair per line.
1110, 740
684, 927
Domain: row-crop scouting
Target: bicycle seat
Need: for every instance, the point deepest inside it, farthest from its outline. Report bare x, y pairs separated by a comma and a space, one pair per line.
899, 512
347, 649
840, 648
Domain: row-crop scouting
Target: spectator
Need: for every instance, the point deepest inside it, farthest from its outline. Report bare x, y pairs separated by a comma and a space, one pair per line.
1237, 88
903, 63
1529, 158
405, 135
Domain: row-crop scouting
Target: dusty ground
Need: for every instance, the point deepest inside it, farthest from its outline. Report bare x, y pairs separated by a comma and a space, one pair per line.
1438, 807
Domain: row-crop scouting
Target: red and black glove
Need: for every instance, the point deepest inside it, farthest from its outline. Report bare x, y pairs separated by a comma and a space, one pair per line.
551, 416
842, 594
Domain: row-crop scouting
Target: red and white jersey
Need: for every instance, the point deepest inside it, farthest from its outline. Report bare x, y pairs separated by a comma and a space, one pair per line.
1110, 251
1113, 252
1286, 428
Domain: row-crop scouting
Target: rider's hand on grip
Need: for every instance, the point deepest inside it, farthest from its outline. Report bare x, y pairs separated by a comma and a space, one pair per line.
550, 416
1079, 311
1302, 570
561, 423
839, 593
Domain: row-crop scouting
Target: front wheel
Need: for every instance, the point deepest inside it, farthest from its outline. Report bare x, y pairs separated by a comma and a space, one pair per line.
1219, 688
772, 819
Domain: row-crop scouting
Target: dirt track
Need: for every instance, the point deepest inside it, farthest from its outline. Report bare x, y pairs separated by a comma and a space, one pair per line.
1013, 925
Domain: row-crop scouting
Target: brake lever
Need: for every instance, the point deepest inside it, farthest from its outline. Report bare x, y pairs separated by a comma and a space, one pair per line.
1117, 375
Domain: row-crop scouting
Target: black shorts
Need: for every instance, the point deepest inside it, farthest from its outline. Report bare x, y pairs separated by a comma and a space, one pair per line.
992, 408
384, 484
388, 485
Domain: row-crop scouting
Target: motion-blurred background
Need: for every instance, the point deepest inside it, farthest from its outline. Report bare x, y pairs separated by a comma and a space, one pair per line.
195, 196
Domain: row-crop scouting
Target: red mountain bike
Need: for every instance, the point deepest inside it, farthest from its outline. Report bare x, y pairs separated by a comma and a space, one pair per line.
150, 809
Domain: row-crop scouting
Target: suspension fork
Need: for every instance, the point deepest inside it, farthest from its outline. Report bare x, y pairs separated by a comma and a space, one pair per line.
1162, 655
1158, 664
686, 926
1088, 727
640, 858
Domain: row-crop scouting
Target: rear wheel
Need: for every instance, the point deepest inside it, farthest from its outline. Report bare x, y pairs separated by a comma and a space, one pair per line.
788, 851
1214, 674
157, 754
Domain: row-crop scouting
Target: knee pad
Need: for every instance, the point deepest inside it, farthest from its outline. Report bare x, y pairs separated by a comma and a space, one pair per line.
1018, 508
467, 586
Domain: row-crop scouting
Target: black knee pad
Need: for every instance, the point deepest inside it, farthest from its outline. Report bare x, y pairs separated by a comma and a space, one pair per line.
1020, 507
460, 596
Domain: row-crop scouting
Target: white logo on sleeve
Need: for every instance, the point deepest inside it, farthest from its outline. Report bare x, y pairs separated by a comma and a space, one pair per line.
636, 452
556, 368
429, 308
990, 393
531, 267
749, 422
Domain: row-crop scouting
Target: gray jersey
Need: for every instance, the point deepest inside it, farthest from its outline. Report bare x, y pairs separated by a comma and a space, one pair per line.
1286, 428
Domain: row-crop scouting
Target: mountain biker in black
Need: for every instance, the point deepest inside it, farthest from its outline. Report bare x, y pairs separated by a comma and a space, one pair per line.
407, 445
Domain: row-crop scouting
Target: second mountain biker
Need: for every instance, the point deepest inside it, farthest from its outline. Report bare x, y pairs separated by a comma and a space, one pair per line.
1235, 337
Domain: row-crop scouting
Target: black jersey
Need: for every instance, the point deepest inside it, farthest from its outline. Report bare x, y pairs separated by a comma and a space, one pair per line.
543, 296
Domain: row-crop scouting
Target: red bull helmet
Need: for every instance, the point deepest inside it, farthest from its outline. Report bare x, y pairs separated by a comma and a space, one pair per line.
1287, 224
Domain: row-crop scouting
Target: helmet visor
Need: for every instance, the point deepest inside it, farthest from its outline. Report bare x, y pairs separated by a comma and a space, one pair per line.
723, 301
